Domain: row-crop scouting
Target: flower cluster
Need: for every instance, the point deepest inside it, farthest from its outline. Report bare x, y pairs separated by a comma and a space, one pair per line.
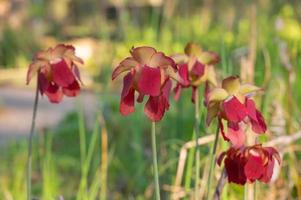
195, 68
149, 73
233, 103
57, 70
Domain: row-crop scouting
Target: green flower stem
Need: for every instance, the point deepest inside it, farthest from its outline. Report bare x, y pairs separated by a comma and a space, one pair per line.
212, 161
197, 153
155, 162
29, 157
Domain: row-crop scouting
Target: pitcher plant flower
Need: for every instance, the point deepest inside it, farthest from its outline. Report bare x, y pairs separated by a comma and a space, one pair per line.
57, 75
148, 73
196, 67
248, 164
57, 71
232, 102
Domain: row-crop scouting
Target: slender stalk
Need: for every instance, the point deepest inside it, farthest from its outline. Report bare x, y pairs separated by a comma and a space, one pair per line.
155, 162
197, 153
212, 161
32, 128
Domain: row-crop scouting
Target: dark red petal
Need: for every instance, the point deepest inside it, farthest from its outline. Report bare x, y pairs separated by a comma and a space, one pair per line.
254, 168
198, 69
127, 101
259, 126
140, 98
54, 93
149, 82
62, 74
155, 108
43, 83
177, 91
268, 172
184, 74
250, 105
234, 110
234, 168
72, 90
220, 158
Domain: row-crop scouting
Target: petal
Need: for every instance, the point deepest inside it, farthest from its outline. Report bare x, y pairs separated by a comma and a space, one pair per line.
259, 126
34, 68
198, 69
140, 98
254, 168
247, 89
217, 94
160, 60
149, 82
127, 101
268, 172
236, 137
234, 110
72, 90
192, 49
54, 93
177, 91
220, 158
193, 93
222, 130
143, 54
231, 84
62, 74
209, 58
213, 109
250, 105
43, 83
77, 73
155, 108
234, 168
184, 74
125, 65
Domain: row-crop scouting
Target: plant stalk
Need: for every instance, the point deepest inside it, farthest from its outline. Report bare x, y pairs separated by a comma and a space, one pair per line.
155, 162
212, 161
30, 141
197, 153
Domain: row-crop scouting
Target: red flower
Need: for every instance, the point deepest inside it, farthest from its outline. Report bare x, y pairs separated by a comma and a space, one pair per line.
250, 163
148, 73
233, 104
57, 71
195, 67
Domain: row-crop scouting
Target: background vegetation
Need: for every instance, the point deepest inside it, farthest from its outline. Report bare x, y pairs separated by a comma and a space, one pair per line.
82, 159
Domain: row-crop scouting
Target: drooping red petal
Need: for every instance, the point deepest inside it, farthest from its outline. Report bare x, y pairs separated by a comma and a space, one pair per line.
62, 74
234, 110
54, 93
250, 105
43, 83
149, 82
234, 168
268, 171
254, 168
140, 98
184, 74
193, 93
127, 102
221, 129
155, 108
236, 137
177, 91
259, 126
72, 90
198, 69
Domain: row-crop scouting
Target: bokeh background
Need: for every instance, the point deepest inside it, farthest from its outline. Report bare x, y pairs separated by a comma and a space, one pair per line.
84, 149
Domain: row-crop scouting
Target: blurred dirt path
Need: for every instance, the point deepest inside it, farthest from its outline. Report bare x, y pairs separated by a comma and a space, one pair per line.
16, 111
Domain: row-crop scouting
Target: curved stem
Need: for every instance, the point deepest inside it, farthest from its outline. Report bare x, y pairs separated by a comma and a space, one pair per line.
155, 162
212, 161
197, 154
29, 157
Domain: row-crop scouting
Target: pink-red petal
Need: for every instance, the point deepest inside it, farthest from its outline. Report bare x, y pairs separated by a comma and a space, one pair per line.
62, 74
234, 110
149, 82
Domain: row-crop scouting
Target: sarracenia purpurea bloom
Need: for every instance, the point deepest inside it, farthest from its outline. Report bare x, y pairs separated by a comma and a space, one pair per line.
149, 73
196, 67
57, 71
